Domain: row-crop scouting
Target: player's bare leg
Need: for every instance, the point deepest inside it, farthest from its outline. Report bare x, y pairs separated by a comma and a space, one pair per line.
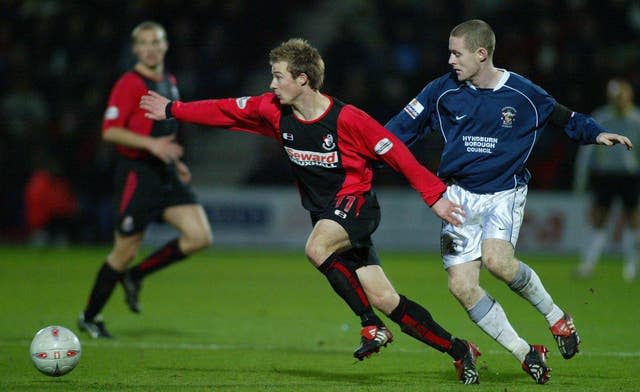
195, 234
499, 259
324, 249
484, 310
417, 322
596, 242
124, 250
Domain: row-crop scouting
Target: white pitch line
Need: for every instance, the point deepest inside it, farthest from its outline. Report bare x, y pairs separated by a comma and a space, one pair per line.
217, 347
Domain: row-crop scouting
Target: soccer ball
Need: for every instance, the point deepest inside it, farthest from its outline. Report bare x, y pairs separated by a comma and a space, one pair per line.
55, 350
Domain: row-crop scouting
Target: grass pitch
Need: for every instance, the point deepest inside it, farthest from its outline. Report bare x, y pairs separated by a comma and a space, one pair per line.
267, 321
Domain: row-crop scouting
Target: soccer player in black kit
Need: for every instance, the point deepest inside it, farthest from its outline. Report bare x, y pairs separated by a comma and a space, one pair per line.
150, 181
331, 147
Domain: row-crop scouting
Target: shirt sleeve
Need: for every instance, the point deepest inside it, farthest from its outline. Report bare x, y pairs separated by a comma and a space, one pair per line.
123, 102
413, 122
581, 128
255, 114
377, 143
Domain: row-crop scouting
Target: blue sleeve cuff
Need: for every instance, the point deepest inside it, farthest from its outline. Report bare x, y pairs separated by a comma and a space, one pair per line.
583, 129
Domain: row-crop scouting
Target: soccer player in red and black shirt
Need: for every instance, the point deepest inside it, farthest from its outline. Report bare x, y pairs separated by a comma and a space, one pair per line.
150, 181
331, 147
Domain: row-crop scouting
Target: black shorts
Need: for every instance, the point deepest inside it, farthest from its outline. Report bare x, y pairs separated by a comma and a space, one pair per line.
144, 189
608, 187
359, 215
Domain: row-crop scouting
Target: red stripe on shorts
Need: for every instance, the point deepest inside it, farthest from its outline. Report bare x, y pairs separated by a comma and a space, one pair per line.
129, 189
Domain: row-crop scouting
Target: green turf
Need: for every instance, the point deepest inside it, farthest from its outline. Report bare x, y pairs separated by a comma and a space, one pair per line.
266, 321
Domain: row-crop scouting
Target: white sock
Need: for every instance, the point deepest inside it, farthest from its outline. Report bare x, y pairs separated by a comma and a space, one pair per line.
495, 324
528, 285
594, 248
629, 246
630, 255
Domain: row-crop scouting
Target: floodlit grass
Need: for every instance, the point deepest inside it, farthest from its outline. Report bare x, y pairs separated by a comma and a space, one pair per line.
267, 321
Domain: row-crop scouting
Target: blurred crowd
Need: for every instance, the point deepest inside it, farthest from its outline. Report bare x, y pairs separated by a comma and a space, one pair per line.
59, 59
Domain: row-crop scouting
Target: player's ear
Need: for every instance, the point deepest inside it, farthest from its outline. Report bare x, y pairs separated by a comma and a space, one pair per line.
483, 54
302, 79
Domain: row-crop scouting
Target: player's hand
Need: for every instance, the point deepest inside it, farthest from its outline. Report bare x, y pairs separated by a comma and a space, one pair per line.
609, 139
449, 211
165, 148
154, 104
184, 174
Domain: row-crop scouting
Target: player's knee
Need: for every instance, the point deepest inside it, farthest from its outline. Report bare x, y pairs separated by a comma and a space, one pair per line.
315, 254
197, 240
384, 300
121, 257
493, 262
503, 268
204, 239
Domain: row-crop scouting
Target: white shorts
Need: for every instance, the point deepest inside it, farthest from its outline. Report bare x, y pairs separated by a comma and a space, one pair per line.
487, 216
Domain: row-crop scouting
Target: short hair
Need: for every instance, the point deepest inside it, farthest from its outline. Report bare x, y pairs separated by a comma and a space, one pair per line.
477, 34
617, 85
148, 25
301, 57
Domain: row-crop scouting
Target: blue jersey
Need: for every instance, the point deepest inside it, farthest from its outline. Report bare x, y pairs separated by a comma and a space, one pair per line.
488, 133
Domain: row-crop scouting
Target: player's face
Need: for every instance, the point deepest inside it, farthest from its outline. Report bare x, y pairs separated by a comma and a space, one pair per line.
286, 88
150, 47
465, 63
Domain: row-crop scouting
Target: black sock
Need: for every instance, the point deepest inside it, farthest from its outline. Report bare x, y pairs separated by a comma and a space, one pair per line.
416, 321
163, 257
102, 289
458, 349
344, 280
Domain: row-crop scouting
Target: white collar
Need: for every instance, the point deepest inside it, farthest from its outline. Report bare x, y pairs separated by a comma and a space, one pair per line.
501, 82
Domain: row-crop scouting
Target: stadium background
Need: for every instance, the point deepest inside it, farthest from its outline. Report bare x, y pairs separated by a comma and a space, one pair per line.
59, 59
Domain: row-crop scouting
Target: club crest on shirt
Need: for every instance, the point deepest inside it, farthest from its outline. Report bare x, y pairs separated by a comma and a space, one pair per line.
508, 116
327, 142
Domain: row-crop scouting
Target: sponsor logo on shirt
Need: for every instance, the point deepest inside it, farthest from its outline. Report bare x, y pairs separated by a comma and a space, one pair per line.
414, 108
383, 146
287, 136
480, 144
242, 102
327, 142
111, 113
313, 158
508, 116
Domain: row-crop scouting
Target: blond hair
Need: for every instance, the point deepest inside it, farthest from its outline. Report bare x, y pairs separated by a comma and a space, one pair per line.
148, 25
301, 58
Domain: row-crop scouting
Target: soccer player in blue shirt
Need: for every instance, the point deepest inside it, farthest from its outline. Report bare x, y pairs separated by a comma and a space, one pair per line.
490, 120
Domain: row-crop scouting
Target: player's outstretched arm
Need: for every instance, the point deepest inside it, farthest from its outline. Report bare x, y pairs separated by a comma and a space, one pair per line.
155, 105
609, 139
448, 211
